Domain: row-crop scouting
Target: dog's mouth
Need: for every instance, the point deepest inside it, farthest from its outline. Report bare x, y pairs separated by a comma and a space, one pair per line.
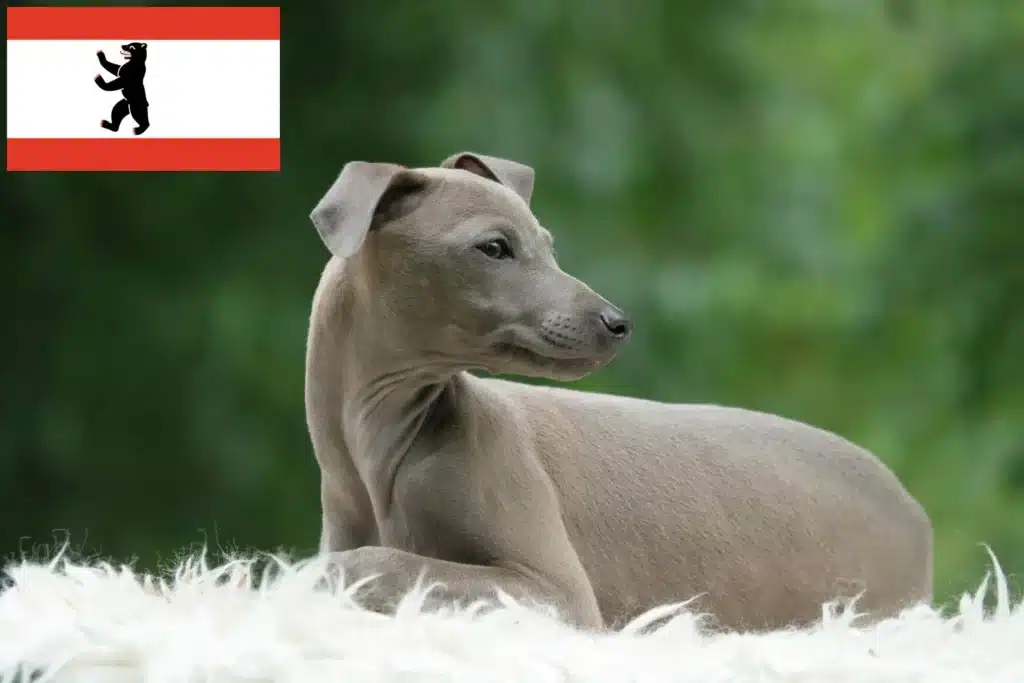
525, 350
531, 357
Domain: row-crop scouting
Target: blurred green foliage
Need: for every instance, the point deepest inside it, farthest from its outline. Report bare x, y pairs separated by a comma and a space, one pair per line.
811, 208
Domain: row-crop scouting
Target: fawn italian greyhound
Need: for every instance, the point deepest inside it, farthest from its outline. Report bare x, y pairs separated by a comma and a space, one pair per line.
601, 506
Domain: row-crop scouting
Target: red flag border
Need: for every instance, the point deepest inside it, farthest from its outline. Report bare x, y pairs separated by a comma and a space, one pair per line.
144, 154
143, 23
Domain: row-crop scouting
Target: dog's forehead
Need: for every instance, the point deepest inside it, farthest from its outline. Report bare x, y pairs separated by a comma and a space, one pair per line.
467, 192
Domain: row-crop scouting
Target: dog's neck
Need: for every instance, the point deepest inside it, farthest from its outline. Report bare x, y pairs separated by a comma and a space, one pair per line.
386, 398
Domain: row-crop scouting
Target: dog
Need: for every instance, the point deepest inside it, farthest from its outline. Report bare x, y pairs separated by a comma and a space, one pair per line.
599, 506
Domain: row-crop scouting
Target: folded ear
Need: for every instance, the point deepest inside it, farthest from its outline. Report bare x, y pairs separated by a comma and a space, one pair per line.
362, 192
518, 177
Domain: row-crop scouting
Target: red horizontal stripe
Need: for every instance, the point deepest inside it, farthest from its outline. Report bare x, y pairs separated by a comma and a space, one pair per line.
143, 23
143, 154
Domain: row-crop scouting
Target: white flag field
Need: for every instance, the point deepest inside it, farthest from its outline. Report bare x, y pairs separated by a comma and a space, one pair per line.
143, 89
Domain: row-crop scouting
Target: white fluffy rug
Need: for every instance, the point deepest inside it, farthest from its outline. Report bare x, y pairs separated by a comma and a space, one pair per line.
69, 622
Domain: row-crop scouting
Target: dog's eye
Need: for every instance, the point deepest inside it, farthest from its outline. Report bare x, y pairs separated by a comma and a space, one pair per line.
496, 249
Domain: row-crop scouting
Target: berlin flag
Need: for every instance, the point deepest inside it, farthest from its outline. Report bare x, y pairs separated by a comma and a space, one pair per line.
143, 89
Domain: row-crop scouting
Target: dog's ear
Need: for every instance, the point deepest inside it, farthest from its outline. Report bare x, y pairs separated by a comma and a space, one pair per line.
518, 177
363, 194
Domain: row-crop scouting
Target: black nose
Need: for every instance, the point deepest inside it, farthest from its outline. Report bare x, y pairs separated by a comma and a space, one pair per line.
616, 323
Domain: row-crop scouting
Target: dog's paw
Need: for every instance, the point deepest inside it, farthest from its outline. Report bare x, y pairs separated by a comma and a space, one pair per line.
371, 567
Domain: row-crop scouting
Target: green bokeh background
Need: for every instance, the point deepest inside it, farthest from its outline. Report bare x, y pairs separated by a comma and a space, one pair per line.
811, 208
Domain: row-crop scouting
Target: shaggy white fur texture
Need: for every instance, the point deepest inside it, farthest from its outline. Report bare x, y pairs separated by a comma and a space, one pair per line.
68, 622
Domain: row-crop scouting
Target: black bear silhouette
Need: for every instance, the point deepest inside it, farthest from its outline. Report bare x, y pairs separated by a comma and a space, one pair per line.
129, 81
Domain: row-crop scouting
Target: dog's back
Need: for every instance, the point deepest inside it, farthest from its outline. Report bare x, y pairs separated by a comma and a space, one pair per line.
764, 515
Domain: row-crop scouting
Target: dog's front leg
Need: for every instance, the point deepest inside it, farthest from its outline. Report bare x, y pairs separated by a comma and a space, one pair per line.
347, 515
398, 572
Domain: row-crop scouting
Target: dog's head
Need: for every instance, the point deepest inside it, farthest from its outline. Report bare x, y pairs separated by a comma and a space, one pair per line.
452, 264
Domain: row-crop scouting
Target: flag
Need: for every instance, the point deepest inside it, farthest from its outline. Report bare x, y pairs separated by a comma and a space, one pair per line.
143, 89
